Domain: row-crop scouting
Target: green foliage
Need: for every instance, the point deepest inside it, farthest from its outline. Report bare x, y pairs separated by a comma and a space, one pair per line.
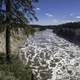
15, 11
29, 31
68, 29
16, 70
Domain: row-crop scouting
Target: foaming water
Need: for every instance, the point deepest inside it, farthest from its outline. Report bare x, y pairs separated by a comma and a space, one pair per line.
51, 57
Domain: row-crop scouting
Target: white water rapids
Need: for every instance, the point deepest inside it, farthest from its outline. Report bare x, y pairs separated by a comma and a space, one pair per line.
51, 57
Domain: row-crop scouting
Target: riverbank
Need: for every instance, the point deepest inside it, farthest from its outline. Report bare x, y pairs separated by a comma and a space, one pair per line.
15, 70
69, 31
17, 39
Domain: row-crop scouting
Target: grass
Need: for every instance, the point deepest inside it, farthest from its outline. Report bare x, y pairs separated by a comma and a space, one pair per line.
16, 70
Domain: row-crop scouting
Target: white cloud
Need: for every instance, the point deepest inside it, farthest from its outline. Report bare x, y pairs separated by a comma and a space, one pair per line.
38, 9
56, 21
67, 21
48, 14
78, 17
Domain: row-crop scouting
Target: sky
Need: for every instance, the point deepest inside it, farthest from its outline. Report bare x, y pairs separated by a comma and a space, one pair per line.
54, 12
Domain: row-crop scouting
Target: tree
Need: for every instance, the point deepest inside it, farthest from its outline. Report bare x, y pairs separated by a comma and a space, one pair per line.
15, 12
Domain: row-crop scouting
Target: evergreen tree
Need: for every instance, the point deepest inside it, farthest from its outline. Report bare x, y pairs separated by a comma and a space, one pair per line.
15, 12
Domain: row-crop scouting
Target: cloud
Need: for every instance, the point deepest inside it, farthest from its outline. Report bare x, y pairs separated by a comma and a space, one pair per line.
56, 21
38, 9
78, 17
48, 14
67, 21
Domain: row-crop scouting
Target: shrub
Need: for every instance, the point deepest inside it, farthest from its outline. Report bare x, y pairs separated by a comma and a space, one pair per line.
15, 70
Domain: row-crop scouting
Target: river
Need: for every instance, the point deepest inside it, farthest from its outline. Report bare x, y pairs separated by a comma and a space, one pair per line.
51, 57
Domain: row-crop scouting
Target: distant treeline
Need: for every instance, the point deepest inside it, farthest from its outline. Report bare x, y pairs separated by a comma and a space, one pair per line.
70, 31
41, 27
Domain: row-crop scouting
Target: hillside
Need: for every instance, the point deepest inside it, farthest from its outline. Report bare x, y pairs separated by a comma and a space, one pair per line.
69, 31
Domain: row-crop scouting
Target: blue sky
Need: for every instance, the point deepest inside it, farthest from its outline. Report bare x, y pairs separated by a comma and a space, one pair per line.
57, 11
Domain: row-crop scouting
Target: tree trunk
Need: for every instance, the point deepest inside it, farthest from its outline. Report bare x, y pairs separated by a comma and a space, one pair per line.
8, 51
32, 76
8, 21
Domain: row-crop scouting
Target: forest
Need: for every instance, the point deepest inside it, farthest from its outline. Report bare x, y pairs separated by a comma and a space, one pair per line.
69, 31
